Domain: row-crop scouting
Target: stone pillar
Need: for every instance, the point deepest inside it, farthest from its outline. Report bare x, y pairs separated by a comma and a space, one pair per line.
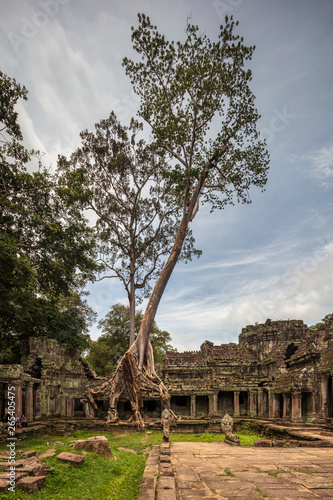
288, 405
63, 406
213, 403
253, 404
236, 403
271, 405
193, 405
29, 401
18, 399
296, 406
260, 400
284, 408
314, 413
275, 406
323, 398
70, 407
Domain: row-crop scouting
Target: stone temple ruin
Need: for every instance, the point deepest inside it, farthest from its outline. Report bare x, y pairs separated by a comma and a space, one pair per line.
49, 381
279, 369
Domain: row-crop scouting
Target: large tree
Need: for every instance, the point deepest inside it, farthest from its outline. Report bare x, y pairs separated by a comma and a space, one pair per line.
119, 177
106, 352
44, 242
197, 100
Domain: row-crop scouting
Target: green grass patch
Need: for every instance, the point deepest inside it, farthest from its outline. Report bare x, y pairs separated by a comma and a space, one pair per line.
261, 493
100, 477
227, 472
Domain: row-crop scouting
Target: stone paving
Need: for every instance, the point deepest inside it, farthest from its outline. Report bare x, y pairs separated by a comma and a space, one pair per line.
218, 471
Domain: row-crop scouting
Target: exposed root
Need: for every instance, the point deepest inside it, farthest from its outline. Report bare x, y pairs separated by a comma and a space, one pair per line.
133, 384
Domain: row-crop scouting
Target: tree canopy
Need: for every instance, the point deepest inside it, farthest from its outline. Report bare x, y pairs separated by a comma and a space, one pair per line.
106, 352
120, 178
46, 245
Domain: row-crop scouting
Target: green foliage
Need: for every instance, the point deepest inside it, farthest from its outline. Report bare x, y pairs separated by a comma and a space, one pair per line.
185, 90
118, 176
106, 352
43, 242
325, 322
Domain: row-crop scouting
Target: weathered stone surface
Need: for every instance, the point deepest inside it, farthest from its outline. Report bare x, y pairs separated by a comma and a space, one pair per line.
96, 444
70, 457
166, 421
31, 484
264, 443
227, 424
4, 483
279, 367
29, 454
48, 453
33, 466
166, 469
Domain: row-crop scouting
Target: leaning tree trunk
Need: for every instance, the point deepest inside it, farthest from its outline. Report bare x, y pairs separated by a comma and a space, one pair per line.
135, 376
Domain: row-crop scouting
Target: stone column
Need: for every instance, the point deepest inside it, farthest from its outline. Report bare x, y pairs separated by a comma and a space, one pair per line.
215, 403
323, 398
193, 405
29, 401
271, 405
253, 404
296, 406
284, 407
70, 407
260, 403
18, 399
236, 403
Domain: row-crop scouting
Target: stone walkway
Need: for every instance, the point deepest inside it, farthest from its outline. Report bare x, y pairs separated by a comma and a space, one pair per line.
218, 471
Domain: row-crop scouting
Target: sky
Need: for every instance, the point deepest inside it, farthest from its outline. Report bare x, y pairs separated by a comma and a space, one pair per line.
270, 259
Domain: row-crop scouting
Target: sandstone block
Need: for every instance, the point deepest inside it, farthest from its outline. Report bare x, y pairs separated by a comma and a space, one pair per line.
96, 444
4, 483
70, 457
31, 484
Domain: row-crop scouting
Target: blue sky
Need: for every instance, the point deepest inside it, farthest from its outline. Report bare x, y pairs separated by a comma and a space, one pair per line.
271, 259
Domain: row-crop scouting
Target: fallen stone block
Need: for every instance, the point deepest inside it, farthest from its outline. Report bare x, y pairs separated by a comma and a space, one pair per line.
96, 444
31, 484
33, 466
4, 483
6, 475
29, 454
48, 453
70, 457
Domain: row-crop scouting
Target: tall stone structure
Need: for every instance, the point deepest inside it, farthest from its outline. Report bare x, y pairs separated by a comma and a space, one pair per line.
49, 381
278, 369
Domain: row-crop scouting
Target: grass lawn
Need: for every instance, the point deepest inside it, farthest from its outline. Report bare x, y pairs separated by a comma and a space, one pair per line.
101, 478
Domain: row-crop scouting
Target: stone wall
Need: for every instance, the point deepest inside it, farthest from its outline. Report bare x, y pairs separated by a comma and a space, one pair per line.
49, 382
279, 369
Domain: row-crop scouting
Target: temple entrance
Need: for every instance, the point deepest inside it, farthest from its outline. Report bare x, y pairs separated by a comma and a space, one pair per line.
202, 406
152, 408
243, 403
180, 404
306, 405
225, 403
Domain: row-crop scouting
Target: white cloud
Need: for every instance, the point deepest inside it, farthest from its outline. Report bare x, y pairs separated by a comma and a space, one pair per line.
322, 165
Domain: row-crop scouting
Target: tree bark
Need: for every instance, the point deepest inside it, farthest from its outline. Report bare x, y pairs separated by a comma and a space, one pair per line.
150, 312
131, 300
